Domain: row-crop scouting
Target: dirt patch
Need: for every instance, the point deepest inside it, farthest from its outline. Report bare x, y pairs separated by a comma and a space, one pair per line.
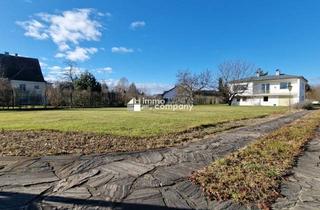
45, 142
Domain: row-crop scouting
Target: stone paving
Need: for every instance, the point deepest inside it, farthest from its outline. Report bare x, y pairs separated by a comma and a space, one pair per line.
156, 179
301, 190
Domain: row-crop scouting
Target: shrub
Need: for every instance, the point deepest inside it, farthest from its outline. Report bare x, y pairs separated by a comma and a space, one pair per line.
304, 105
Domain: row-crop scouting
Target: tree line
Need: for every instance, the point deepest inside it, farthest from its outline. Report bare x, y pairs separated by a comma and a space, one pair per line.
74, 91
86, 91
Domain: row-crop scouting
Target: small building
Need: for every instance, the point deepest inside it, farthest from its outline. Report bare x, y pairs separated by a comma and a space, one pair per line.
170, 95
200, 97
25, 77
270, 90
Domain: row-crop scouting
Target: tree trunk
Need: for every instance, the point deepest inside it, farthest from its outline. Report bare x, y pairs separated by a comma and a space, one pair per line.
231, 99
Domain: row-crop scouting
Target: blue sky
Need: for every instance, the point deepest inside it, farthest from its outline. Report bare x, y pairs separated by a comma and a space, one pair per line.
149, 41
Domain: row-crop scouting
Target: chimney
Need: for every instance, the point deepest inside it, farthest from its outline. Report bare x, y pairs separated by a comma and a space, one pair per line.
16, 54
278, 72
6, 53
258, 72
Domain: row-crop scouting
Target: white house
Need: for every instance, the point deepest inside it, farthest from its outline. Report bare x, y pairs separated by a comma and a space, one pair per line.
269, 90
25, 77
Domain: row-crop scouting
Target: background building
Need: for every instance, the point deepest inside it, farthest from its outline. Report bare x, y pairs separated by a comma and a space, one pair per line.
25, 77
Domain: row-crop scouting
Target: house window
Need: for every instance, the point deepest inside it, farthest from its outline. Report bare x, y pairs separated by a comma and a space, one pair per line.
238, 99
240, 87
244, 99
36, 87
22, 87
284, 85
265, 88
265, 98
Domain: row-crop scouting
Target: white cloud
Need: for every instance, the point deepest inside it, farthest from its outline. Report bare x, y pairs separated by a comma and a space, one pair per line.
78, 54
55, 68
111, 83
53, 73
107, 14
66, 29
57, 73
314, 80
43, 64
34, 29
149, 88
121, 50
137, 24
153, 88
104, 70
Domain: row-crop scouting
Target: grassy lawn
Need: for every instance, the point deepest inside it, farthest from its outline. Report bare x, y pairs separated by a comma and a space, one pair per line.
120, 122
253, 175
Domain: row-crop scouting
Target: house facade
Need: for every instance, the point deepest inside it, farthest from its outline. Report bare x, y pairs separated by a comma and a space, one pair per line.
269, 90
25, 77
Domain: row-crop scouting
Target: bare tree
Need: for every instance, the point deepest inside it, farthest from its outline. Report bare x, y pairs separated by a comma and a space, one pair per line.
121, 89
70, 76
313, 93
231, 71
6, 95
53, 95
132, 92
189, 83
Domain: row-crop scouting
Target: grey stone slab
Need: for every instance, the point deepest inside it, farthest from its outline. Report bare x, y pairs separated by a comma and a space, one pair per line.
146, 181
99, 180
77, 192
128, 167
74, 180
173, 199
24, 179
145, 196
150, 157
193, 193
117, 189
19, 196
18, 165
171, 174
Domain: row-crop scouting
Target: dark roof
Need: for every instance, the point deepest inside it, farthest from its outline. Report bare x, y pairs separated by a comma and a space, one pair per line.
268, 77
167, 91
20, 68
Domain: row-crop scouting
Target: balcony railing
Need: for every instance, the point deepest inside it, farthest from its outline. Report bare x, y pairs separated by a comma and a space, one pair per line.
259, 91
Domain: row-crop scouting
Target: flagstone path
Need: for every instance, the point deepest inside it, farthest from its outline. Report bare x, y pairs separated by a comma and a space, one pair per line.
156, 179
301, 190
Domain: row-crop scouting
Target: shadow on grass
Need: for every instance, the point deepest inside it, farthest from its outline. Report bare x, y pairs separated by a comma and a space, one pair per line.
13, 200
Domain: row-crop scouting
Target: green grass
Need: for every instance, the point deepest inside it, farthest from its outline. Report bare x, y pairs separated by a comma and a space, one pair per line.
253, 175
118, 121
